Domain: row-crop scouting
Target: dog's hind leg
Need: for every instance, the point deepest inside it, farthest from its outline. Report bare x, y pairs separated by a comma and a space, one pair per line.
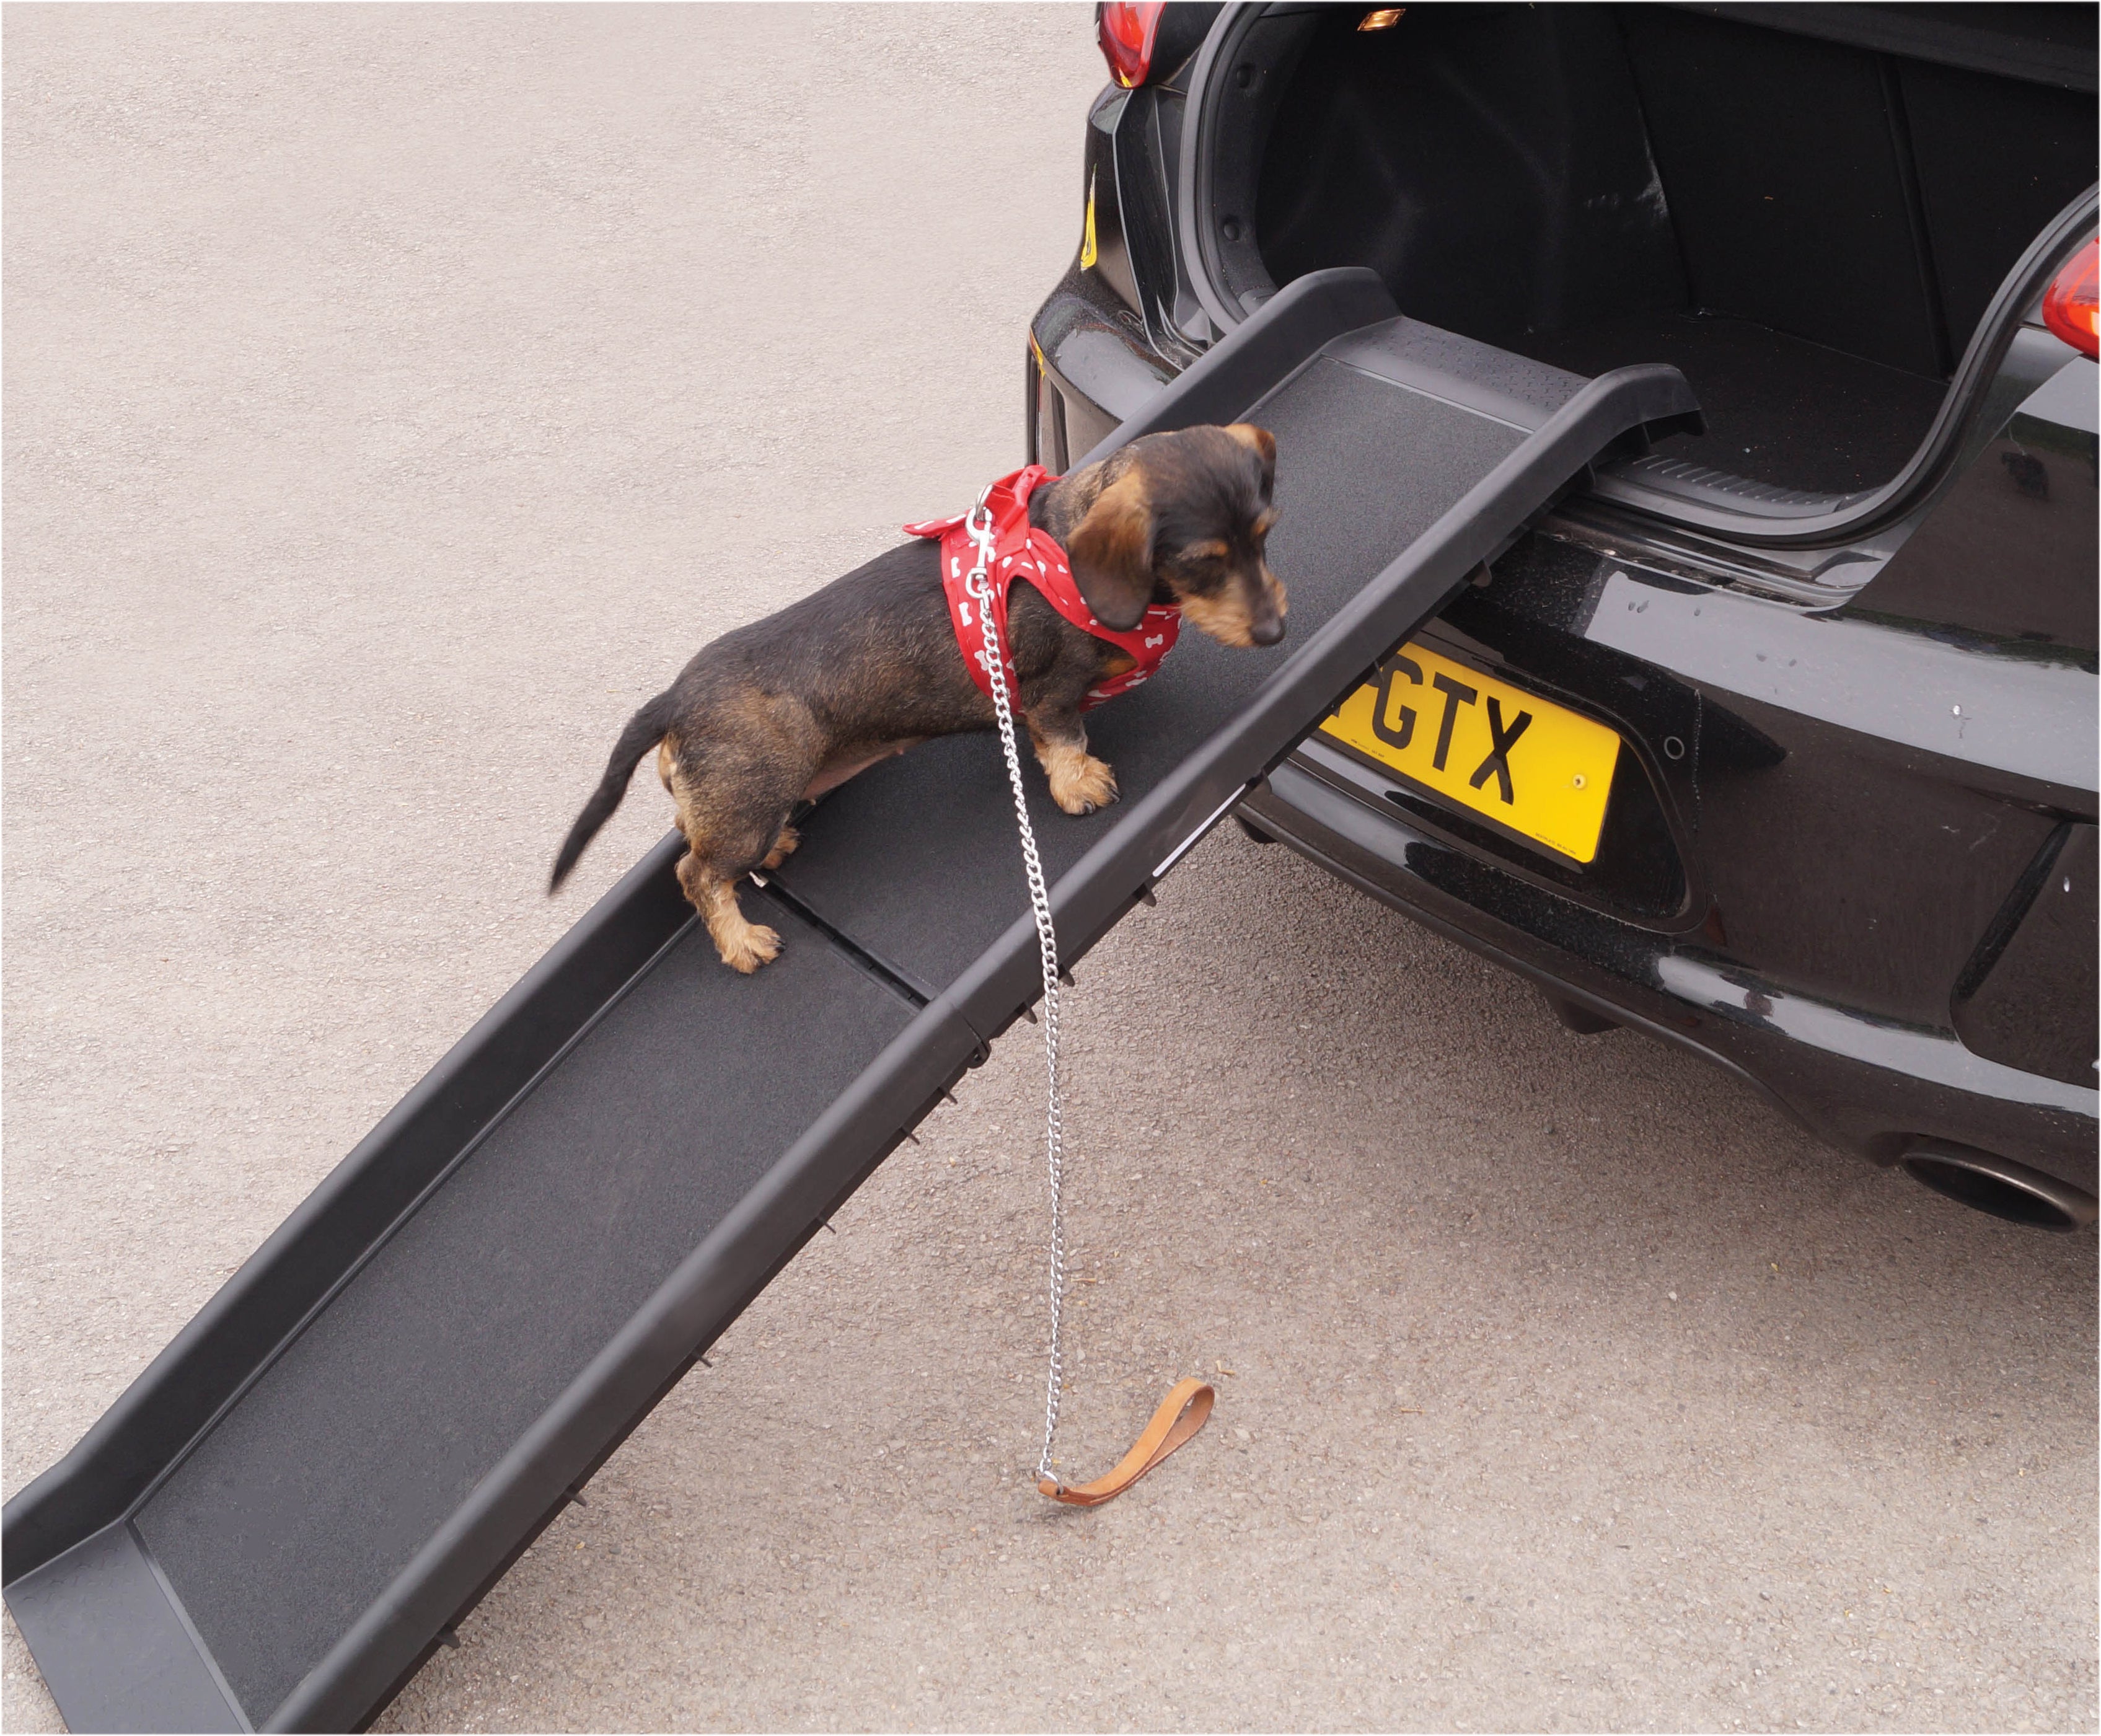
744, 944
784, 847
735, 789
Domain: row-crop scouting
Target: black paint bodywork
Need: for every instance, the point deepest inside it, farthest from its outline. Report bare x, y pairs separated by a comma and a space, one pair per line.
1849, 853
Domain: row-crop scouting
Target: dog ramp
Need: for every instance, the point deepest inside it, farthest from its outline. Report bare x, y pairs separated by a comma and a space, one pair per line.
289, 1510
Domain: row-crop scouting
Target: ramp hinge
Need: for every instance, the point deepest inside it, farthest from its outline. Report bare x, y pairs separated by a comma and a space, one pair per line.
449, 1639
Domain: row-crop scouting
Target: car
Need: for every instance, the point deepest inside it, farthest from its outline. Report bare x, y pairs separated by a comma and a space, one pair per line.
1774, 741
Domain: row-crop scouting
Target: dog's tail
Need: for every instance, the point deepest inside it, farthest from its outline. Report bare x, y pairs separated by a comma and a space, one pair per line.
644, 730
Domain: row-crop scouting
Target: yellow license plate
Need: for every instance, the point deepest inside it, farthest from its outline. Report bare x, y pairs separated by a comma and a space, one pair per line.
1544, 773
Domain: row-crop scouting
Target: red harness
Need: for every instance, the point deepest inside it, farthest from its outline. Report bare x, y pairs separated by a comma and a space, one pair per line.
1020, 551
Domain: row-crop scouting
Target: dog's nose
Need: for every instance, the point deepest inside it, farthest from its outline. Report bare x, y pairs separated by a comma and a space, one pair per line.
1266, 632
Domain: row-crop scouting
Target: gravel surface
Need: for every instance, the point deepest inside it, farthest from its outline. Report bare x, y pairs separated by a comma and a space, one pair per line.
395, 395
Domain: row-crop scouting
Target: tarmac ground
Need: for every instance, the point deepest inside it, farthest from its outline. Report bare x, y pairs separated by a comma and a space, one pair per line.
395, 397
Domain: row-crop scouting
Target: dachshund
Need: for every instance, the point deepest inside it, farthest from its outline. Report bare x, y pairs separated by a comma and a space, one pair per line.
775, 713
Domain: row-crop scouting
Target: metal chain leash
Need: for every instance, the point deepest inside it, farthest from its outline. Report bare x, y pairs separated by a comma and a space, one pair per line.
979, 585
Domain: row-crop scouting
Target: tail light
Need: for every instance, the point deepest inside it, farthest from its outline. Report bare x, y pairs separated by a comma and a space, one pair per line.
2072, 305
1126, 29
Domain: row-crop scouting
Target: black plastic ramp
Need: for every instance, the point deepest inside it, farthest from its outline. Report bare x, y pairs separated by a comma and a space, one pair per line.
335, 1460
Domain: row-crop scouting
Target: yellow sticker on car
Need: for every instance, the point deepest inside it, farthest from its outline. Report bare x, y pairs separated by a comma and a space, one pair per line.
1545, 772
1087, 253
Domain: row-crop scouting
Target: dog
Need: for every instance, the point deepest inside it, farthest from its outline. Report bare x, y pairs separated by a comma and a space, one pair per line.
775, 713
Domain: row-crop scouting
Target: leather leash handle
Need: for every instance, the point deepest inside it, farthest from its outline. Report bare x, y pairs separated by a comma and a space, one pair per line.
1181, 1414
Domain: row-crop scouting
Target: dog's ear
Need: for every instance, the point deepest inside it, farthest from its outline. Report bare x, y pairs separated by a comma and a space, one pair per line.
1111, 553
1263, 444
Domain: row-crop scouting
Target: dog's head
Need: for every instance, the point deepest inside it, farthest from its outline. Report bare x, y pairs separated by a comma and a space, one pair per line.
1186, 514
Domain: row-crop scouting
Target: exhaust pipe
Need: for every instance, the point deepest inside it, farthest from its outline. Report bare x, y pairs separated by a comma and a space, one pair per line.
2000, 1186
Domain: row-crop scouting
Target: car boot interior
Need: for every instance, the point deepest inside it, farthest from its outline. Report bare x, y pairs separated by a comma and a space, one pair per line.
1811, 230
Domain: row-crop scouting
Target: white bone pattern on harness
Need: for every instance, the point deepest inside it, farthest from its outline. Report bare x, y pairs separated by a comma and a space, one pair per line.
1021, 550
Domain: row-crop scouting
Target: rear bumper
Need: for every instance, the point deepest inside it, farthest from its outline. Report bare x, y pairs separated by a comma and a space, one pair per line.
1859, 1080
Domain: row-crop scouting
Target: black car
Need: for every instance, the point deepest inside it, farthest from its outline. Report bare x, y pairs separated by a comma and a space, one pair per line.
1777, 740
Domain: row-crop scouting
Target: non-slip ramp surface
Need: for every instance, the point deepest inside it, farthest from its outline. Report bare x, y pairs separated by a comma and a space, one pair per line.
353, 1447
343, 1451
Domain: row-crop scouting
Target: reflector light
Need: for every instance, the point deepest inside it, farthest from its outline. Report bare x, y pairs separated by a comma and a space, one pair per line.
1384, 19
2072, 305
1126, 29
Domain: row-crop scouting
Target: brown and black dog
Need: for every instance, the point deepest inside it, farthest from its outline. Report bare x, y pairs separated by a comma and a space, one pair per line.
778, 712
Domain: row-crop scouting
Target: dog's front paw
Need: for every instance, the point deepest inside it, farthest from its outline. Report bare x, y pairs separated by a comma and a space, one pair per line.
757, 945
1080, 783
